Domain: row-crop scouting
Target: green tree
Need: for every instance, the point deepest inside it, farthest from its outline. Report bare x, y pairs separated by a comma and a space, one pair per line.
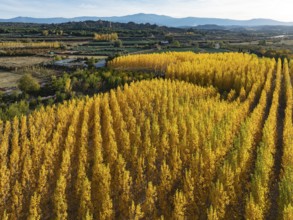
28, 84
91, 62
176, 43
118, 43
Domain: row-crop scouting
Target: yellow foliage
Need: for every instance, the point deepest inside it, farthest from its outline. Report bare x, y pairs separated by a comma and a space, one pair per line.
15, 45
199, 148
106, 37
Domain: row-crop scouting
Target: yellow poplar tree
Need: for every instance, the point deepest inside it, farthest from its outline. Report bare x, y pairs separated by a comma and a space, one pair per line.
60, 201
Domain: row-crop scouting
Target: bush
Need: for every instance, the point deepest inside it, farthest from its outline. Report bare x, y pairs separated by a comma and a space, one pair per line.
28, 84
118, 43
176, 43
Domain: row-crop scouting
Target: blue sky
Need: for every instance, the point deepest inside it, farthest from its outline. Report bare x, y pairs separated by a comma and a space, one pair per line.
235, 9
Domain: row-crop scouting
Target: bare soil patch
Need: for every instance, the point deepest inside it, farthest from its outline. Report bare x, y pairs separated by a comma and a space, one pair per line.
19, 62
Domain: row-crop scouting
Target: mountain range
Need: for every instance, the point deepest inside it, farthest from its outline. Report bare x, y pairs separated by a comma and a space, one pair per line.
161, 20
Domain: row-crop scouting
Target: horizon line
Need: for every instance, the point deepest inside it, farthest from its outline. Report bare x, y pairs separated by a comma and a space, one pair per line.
176, 17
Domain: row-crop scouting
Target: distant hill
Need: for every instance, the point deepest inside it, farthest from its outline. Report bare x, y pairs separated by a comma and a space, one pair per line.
157, 19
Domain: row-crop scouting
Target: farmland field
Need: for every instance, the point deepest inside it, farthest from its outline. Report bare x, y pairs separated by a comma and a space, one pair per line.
20, 62
88, 57
8, 79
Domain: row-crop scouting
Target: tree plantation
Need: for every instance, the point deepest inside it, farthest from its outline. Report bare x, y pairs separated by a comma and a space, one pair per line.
106, 37
213, 140
29, 45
